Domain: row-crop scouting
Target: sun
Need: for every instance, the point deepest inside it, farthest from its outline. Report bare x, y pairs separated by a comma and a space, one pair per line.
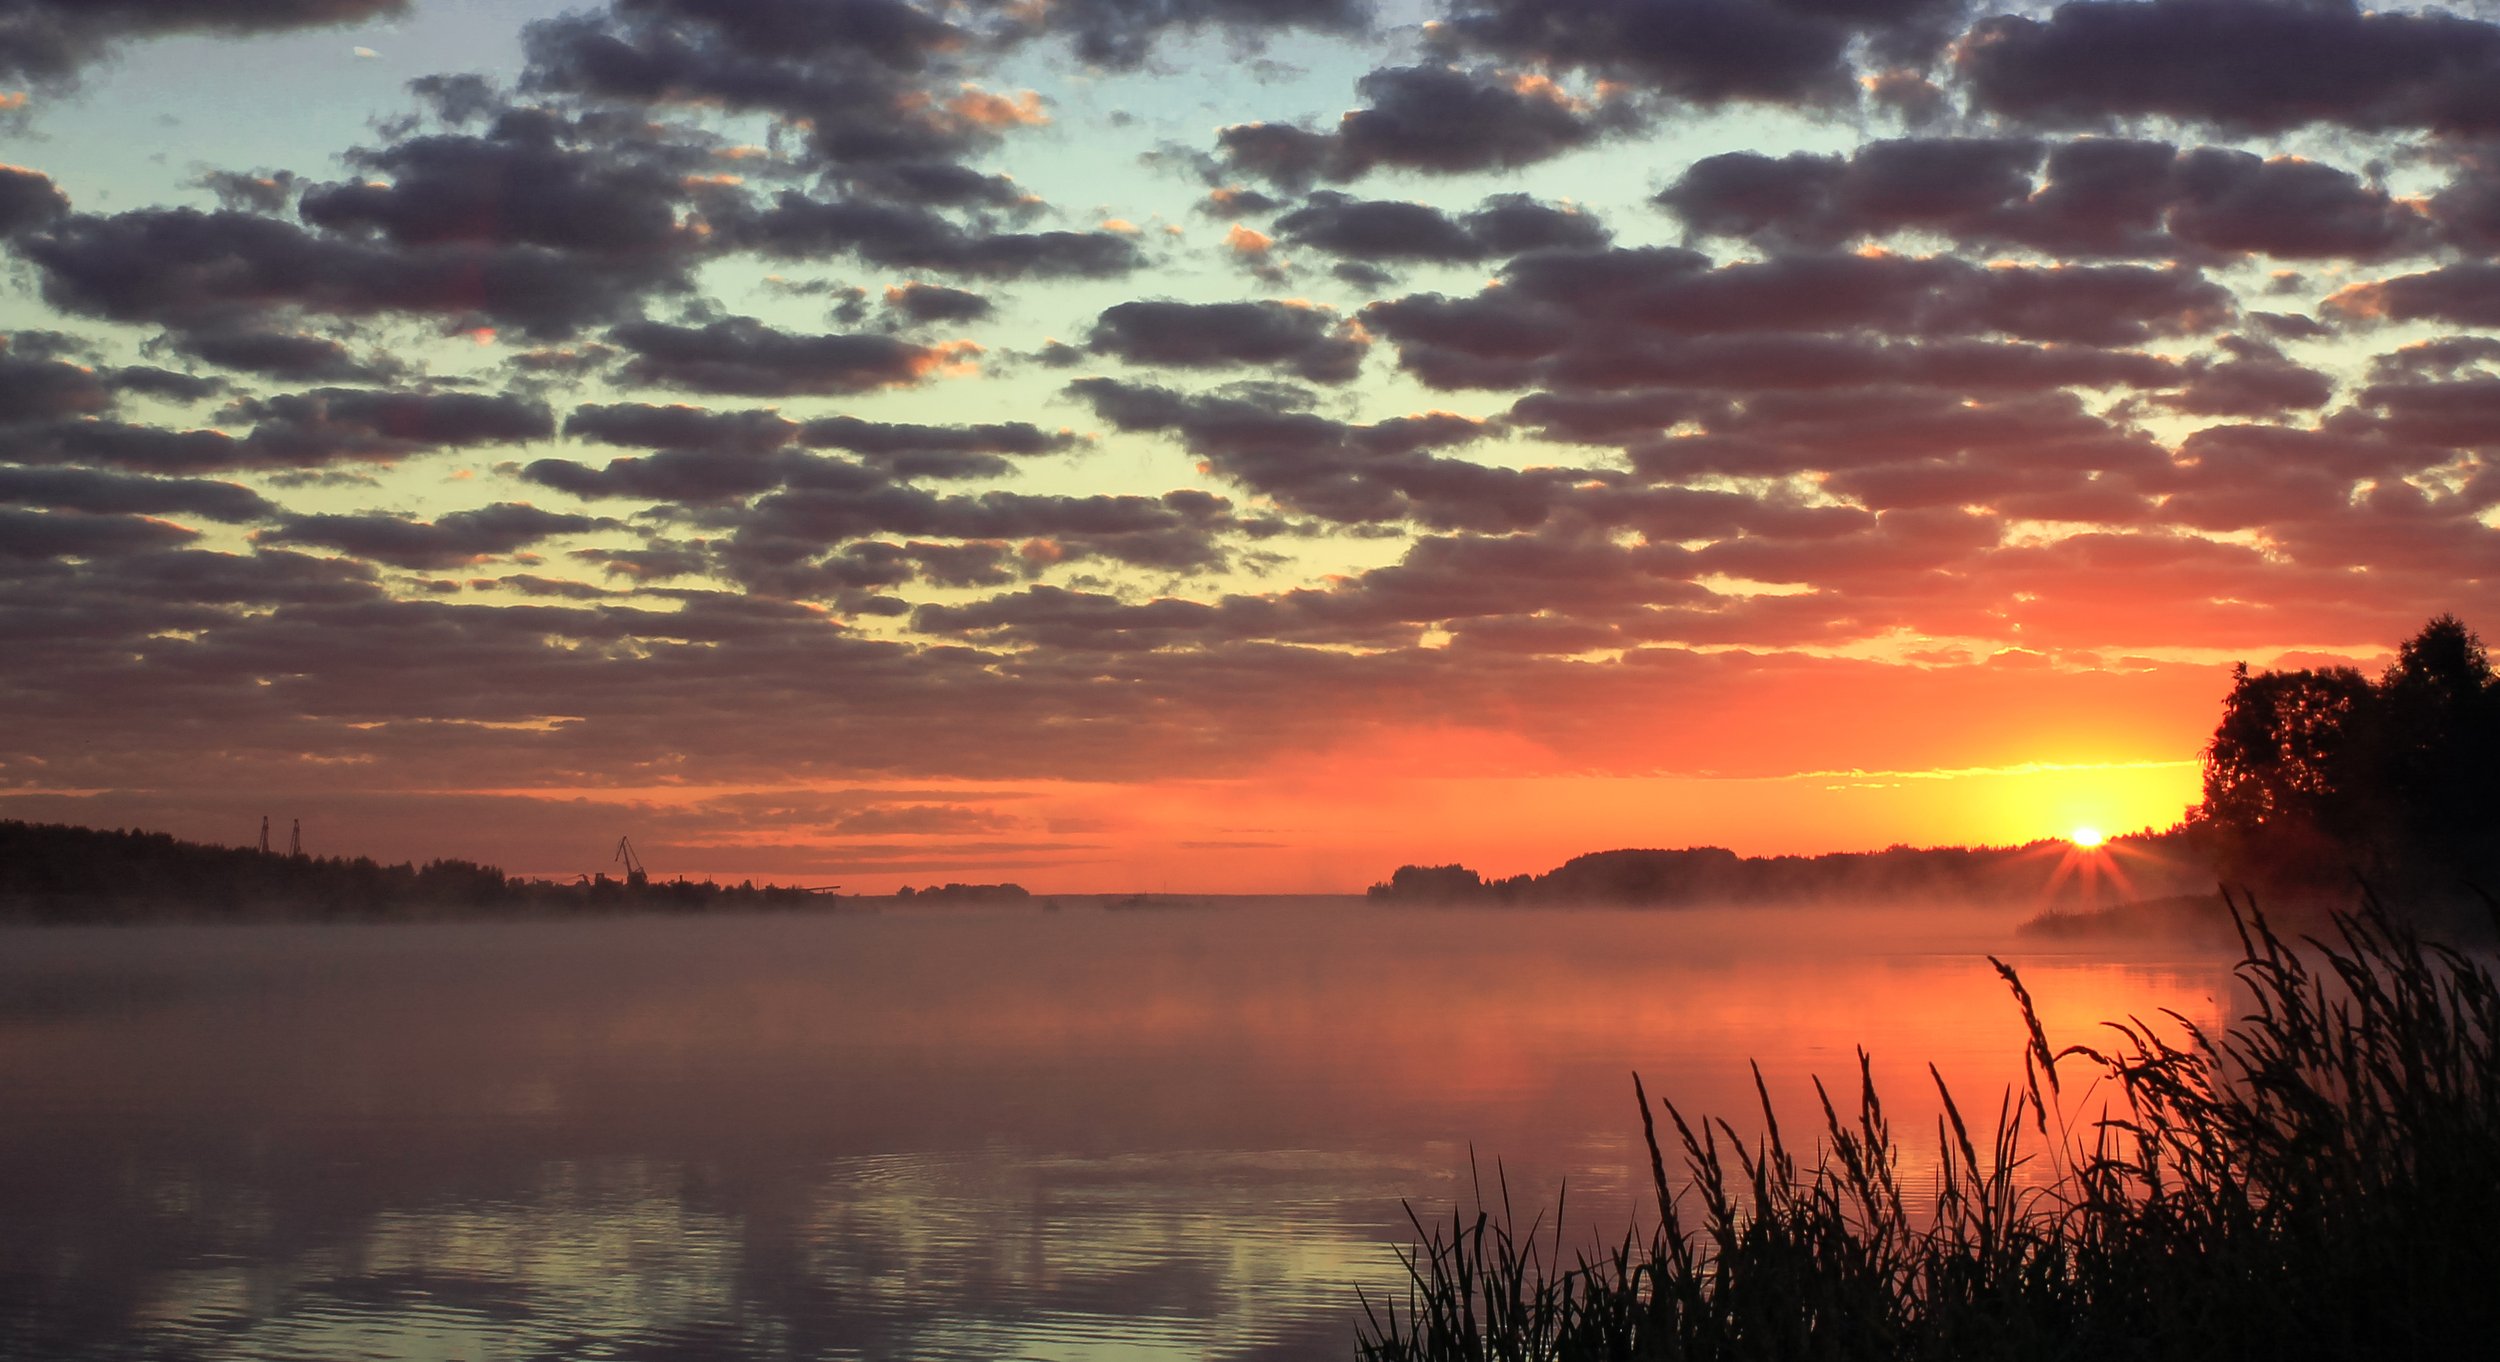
2087, 838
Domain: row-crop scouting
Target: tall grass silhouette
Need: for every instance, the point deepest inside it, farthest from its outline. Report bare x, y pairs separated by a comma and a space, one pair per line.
2319, 1180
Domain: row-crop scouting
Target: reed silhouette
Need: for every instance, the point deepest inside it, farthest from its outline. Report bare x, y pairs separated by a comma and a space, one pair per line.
2314, 1182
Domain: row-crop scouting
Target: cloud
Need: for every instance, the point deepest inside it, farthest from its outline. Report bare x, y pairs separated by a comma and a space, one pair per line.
2288, 66
908, 236
291, 356
28, 200
58, 534
1438, 119
534, 179
1622, 318
740, 355
1263, 437
860, 76
2464, 295
1394, 230
1704, 52
100, 493
712, 456
51, 41
186, 269
37, 387
1310, 342
453, 540
302, 430
919, 304
2100, 197
1121, 33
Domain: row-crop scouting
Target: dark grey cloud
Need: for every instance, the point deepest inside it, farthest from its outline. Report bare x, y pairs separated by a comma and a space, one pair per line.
1626, 318
2464, 295
2102, 197
97, 492
861, 76
785, 543
2251, 379
1311, 342
265, 192
2245, 65
1815, 202
585, 187
1399, 230
291, 356
1378, 229
743, 356
51, 41
1122, 33
719, 456
689, 476
37, 387
2467, 209
302, 430
2446, 356
1264, 437
642, 425
1227, 202
173, 386
186, 269
1705, 52
28, 199
905, 449
1508, 224
289, 431
908, 236
941, 184
75, 534
926, 304
1437, 119
453, 540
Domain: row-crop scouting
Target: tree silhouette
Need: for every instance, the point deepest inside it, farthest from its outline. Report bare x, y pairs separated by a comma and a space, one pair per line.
2313, 776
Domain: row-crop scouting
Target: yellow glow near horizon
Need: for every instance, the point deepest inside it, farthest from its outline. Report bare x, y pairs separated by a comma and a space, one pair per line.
2087, 837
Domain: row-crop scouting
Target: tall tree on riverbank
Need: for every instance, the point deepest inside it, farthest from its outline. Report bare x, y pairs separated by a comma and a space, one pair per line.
2314, 776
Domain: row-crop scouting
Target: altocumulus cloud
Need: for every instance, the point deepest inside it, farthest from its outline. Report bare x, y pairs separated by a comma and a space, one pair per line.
891, 389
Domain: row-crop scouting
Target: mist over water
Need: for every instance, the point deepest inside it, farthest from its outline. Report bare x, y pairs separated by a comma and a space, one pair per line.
932, 1133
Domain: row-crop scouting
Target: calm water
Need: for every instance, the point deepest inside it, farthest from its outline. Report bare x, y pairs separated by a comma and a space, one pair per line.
934, 1134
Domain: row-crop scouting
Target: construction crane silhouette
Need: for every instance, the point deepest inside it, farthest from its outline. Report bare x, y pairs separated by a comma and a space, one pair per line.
634, 873
295, 839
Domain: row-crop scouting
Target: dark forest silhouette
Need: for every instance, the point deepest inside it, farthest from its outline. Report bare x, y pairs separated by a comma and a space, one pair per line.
2159, 863
57, 872
2318, 775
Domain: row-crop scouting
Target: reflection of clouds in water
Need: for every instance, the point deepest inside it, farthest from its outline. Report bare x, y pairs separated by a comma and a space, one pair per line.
957, 1135
591, 1252
964, 1255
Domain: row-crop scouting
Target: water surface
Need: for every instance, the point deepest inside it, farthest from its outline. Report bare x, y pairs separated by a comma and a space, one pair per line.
996, 1133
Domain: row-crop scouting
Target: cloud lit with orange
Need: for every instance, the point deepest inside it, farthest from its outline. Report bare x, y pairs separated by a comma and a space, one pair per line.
1211, 446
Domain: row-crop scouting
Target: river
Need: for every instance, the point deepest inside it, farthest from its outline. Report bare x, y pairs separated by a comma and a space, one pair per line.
1186, 1132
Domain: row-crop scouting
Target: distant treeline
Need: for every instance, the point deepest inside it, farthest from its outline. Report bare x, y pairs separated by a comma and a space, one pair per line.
965, 893
51, 872
2156, 863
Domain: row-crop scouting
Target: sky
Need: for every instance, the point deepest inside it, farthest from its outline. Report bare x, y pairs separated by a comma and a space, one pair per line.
1215, 445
